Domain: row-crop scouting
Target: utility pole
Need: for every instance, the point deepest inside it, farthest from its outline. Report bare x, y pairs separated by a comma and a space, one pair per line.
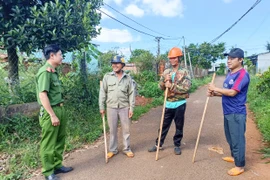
158, 54
158, 50
192, 75
185, 52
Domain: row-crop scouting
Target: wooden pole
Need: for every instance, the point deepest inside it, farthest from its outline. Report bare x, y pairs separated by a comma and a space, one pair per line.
105, 138
161, 122
199, 134
104, 132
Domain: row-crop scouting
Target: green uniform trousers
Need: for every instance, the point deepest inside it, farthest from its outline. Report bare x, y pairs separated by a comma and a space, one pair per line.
53, 140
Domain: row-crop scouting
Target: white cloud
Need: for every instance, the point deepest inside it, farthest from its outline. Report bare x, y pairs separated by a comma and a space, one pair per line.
134, 10
118, 2
104, 16
167, 8
125, 51
227, 1
114, 35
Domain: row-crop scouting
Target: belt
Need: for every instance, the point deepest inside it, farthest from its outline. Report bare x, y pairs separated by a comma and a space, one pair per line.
59, 104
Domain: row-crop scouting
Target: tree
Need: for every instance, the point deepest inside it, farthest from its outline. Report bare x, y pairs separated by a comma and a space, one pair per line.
221, 70
205, 54
143, 59
104, 61
267, 46
164, 56
81, 59
30, 25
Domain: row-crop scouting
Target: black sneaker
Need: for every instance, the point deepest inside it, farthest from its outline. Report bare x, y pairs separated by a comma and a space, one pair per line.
177, 151
154, 149
63, 169
52, 177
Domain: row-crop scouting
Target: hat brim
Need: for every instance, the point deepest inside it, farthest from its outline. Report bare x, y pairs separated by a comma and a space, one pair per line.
228, 54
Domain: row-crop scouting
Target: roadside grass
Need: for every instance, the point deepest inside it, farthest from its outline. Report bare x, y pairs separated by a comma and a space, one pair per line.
18, 148
20, 135
259, 104
196, 83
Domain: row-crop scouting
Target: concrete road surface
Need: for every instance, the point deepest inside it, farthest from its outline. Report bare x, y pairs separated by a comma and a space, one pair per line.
90, 164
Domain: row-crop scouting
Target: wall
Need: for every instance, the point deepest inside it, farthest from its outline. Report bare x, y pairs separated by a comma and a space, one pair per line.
28, 109
263, 62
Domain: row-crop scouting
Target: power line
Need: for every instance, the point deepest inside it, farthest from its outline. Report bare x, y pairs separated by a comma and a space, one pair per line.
171, 38
254, 5
258, 27
126, 24
134, 20
137, 29
179, 41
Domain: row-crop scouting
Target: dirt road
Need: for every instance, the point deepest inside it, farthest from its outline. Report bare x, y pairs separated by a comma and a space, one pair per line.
90, 164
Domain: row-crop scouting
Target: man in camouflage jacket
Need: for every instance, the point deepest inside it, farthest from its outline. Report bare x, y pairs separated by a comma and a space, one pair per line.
178, 82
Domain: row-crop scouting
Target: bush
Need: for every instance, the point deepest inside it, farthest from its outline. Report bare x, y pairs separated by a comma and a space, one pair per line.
151, 89
20, 146
145, 76
221, 70
263, 85
26, 92
259, 103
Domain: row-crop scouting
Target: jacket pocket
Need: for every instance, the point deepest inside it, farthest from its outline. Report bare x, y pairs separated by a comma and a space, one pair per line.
124, 89
111, 86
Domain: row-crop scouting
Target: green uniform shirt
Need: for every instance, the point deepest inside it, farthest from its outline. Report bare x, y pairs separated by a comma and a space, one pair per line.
49, 81
116, 93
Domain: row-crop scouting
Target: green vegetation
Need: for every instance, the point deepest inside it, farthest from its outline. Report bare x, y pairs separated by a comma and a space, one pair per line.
258, 100
28, 26
221, 70
26, 92
206, 53
199, 82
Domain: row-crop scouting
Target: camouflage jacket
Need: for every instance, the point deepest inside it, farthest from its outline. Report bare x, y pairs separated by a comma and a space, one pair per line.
180, 84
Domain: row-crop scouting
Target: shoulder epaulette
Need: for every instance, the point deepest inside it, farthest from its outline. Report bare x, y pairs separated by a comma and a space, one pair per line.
49, 69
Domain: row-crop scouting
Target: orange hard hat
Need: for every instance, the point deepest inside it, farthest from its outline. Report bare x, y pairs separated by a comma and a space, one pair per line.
175, 52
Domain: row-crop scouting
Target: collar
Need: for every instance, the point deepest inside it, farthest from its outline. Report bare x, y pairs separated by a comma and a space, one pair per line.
114, 74
50, 68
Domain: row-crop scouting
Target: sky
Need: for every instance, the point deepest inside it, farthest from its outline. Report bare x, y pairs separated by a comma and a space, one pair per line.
197, 21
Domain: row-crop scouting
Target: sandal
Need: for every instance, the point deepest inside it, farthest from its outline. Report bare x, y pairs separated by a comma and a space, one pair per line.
129, 154
228, 159
235, 172
110, 155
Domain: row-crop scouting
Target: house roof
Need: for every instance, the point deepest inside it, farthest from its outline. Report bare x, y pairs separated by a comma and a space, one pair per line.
264, 53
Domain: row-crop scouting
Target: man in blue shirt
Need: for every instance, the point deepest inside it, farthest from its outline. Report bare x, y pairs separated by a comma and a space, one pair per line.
234, 95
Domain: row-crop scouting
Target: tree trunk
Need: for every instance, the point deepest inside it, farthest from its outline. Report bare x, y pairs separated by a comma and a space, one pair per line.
84, 75
13, 70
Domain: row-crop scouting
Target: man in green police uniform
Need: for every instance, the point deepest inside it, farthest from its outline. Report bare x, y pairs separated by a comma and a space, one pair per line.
52, 116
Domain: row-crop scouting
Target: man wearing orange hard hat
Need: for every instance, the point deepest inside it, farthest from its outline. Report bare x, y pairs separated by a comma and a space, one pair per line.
177, 80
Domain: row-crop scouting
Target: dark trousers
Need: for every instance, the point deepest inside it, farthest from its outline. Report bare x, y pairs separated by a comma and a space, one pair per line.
235, 128
178, 115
